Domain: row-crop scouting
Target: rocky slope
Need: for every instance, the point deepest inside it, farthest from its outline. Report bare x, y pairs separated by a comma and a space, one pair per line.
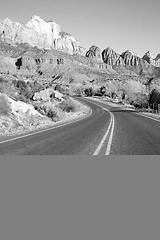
37, 32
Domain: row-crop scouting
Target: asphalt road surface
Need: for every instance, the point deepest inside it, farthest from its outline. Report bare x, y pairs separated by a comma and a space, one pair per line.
107, 131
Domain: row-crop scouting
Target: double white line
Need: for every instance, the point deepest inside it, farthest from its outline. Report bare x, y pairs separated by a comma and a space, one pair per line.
111, 126
110, 130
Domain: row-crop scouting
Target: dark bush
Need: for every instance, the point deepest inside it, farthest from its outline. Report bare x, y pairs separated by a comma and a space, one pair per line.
51, 114
154, 97
103, 90
2, 80
58, 88
88, 92
28, 89
139, 100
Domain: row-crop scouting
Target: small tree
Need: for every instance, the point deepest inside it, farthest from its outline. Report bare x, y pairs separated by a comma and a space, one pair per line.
123, 96
154, 99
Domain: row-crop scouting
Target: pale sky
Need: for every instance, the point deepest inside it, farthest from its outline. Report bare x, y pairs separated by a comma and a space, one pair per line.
120, 24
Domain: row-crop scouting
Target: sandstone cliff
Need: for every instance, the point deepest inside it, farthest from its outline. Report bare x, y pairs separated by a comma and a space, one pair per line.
37, 32
154, 61
94, 53
139, 65
157, 60
110, 57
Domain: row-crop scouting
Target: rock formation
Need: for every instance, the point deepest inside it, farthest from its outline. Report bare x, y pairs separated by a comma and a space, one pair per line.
37, 32
128, 62
139, 65
147, 56
153, 61
130, 58
94, 53
110, 57
157, 60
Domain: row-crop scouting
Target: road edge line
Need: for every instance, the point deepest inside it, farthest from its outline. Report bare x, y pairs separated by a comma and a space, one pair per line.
147, 117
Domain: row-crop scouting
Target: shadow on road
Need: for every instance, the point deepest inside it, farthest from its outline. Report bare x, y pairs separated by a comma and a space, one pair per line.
122, 110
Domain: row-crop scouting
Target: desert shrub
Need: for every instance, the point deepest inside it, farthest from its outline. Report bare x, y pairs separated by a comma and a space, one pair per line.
154, 97
4, 106
58, 88
67, 105
71, 80
25, 90
139, 100
76, 89
78, 92
123, 95
103, 90
99, 91
37, 87
14, 82
2, 80
28, 89
21, 84
22, 98
51, 114
46, 109
15, 75
113, 95
88, 92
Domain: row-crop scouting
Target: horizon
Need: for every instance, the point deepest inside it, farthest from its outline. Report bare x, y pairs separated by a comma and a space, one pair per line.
102, 24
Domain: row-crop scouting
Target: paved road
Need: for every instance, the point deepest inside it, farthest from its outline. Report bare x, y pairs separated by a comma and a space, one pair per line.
115, 132
134, 134
81, 137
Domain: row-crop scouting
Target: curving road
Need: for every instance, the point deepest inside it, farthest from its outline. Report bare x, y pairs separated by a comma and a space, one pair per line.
81, 137
133, 133
108, 130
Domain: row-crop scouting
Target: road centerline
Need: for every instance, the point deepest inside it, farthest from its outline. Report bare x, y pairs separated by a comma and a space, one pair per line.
110, 137
111, 124
104, 138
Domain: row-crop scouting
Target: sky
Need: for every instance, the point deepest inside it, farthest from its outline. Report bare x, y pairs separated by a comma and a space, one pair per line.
120, 24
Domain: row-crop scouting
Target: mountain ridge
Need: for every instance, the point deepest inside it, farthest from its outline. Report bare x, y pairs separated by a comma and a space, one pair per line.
38, 32
47, 35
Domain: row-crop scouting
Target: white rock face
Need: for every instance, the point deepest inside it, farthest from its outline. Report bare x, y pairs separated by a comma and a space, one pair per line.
37, 32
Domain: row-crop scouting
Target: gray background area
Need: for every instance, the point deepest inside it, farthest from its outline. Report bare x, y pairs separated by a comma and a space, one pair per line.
79, 198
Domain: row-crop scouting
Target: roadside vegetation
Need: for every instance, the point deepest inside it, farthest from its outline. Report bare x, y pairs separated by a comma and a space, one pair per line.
25, 105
